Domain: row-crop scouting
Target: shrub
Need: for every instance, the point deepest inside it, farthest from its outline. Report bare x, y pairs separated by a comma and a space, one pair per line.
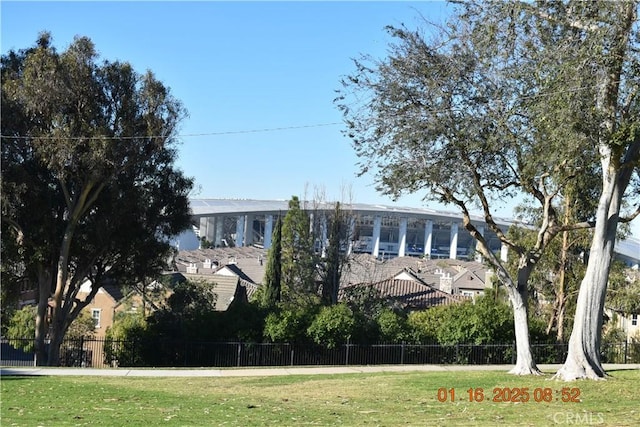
332, 326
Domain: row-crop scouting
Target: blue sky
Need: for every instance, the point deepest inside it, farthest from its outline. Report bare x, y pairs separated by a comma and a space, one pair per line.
240, 67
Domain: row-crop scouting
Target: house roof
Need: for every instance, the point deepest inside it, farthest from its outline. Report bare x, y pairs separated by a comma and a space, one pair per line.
409, 294
225, 288
250, 261
363, 268
234, 270
114, 292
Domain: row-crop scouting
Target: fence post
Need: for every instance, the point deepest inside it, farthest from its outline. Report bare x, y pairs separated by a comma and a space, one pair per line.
457, 353
513, 353
239, 354
291, 354
82, 364
346, 362
402, 354
626, 350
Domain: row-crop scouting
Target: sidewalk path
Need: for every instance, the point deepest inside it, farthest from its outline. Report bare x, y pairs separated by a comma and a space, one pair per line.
273, 371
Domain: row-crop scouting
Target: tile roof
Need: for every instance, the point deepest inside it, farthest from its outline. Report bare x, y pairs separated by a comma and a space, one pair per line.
464, 274
408, 294
225, 288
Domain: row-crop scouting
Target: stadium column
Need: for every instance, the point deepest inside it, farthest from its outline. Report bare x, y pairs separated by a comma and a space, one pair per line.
428, 237
248, 230
453, 242
478, 254
240, 221
377, 226
217, 241
402, 237
268, 230
202, 229
211, 229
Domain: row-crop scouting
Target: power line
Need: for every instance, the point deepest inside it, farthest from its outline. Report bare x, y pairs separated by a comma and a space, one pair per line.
283, 128
188, 135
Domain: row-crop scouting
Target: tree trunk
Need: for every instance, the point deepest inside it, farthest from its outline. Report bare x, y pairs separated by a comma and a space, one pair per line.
583, 358
562, 310
561, 298
518, 295
57, 334
58, 315
44, 290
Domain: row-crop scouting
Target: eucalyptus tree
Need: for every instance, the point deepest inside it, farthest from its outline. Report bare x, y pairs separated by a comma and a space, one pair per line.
456, 118
513, 98
89, 187
587, 53
609, 46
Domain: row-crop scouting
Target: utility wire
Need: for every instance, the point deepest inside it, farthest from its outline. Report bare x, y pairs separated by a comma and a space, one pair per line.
277, 129
188, 135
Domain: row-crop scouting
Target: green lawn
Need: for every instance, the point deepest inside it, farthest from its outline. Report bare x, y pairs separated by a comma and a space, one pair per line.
381, 399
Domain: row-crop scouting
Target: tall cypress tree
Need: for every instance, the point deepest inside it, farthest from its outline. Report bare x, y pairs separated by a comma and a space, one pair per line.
335, 260
273, 272
298, 261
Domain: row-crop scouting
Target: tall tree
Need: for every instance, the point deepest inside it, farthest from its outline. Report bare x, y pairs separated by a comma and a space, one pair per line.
298, 259
428, 122
477, 116
610, 41
89, 187
336, 254
273, 272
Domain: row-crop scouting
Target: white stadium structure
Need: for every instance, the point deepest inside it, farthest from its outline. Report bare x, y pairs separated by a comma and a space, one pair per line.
382, 231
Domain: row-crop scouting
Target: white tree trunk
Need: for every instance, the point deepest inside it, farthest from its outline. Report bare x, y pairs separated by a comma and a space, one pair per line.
525, 365
583, 359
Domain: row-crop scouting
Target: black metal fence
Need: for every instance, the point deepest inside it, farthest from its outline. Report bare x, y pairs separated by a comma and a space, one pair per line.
100, 353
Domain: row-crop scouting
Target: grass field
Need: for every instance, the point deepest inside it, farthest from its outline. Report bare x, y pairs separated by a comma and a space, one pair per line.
380, 399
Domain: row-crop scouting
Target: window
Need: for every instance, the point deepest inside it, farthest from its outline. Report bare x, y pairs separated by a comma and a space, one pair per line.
95, 314
634, 320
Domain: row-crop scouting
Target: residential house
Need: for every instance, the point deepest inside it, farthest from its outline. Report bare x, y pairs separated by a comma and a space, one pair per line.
455, 277
405, 291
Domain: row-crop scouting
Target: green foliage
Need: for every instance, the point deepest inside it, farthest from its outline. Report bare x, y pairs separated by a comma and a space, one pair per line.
123, 340
205, 244
334, 325
82, 326
298, 259
272, 287
335, 259
424, 325
623, 292
393, 326
22, 328
186, 312
487, 320
89, 186
366, 304
289, 323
